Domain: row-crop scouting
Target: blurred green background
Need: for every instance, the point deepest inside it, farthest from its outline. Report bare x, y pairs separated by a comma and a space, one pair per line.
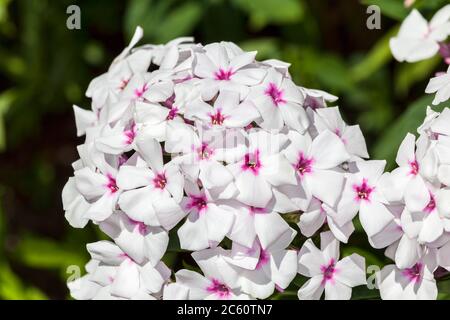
45, 68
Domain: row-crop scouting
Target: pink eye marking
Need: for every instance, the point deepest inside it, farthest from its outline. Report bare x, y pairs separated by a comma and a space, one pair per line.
123, 84
172, 113
414, 273
142, 228
263, 258
130, 134
414, 165
160, 181
363, 191
275, 93
252, 162
254, 210
328, 271
198, 202
431, 204
304, 164
112, 185
218, 118
223, 74
204, 152
139, 92
220, 289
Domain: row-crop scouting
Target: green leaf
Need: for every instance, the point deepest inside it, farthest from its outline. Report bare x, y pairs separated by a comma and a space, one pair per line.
364, 293
179, 22
378, 56
411, 73
394, 9
12, 288
6, 100
264, 12
47, 254
267, 48
409, 121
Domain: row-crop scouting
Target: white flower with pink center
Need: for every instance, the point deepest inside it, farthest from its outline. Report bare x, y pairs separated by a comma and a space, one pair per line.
262, 270
112, 274
280, 102
262, 168
207, 222
352, 137
153, 190
100, 189
328, 273
222, 69
419, 39
362, 192
218, 282
227, 111
413, 283
315, 163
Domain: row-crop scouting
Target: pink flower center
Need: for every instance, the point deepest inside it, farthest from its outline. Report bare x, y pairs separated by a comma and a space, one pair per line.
142, 228
130, 134
431, 204
197, 202
139, 92
275, 93
204, 152
254, 210
252, 162
304, 164
218, 118
221, 290
414, 273
223, 74
263, 259
160, 181
123, 84
112, 185
172, 113
363, 191
328, 271
414, 165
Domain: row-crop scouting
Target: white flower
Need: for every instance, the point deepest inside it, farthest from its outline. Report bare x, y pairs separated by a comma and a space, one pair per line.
279, 102
112, 274
441, 86
207, 222
154, 190
219, 281
415, 283
417, 39
222, 69
262, 270
362, 193
314, 162
327, 272
262, 168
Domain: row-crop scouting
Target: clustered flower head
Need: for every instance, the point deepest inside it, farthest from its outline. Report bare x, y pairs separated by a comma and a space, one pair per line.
212, 150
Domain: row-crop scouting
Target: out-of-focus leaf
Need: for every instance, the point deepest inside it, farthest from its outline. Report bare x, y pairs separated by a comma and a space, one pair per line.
264, 12
378, 56
444, 289
394, 9
6, 99
267, 48
409, 121
364, 293
411, 73
43, 253
179, 22
12, 288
